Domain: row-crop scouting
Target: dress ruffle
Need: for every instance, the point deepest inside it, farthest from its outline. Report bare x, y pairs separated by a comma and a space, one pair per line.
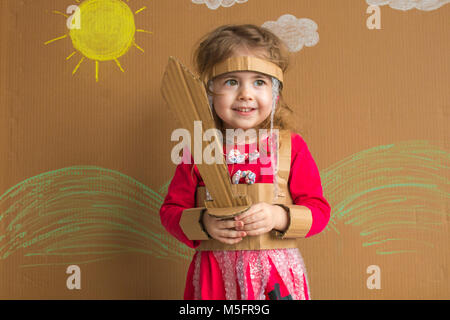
248, 275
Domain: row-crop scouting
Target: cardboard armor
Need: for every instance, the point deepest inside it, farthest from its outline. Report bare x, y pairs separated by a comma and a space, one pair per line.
186, 96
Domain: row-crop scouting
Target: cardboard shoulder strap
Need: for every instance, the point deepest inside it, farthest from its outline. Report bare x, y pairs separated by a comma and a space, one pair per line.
284, 162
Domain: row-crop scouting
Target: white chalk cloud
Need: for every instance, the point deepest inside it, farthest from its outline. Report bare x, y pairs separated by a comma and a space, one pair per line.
214, 4
295, 32
404, 5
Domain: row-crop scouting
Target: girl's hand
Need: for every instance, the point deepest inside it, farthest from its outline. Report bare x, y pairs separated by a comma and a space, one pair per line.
263, 217
224, 230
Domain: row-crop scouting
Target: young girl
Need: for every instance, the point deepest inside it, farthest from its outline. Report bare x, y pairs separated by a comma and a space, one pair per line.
248, 99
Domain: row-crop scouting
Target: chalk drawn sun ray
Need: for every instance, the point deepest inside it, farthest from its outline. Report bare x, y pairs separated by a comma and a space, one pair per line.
101, 30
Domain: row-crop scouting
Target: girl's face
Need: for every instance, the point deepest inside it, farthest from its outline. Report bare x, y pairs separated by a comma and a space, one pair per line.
242, 99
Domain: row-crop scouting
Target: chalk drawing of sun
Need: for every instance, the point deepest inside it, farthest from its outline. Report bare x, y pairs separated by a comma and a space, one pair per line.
106, 31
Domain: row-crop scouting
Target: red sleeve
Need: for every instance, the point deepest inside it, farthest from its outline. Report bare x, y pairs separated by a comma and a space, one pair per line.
305, 185
180, 196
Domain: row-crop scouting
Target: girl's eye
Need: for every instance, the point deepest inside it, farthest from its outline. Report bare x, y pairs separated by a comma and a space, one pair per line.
231, 82
260, 82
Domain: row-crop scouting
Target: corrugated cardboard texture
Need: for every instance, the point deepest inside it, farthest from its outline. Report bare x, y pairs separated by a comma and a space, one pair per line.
85, 164
247, 64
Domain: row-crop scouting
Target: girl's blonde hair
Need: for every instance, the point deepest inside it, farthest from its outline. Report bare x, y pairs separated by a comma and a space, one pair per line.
220, 45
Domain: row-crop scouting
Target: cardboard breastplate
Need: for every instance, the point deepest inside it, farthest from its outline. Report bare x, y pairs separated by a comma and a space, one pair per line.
259, 192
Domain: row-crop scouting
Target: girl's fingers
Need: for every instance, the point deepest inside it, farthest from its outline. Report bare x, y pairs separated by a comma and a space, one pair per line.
256, 216
228, 233
230, 224
252, 210
248, 213
244, 215
254, 225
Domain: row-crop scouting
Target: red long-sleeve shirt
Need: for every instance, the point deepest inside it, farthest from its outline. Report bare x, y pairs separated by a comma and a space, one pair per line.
304, 185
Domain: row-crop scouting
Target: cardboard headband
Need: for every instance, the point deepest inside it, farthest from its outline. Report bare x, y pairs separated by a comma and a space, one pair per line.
246, 63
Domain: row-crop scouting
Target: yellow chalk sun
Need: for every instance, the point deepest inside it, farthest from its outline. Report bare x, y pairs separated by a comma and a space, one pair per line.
106, 31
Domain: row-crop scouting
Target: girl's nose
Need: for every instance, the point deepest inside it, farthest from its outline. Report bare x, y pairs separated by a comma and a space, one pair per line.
245, 93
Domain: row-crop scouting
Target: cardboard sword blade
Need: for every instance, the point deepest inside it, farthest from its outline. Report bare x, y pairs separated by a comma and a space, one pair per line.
186, 97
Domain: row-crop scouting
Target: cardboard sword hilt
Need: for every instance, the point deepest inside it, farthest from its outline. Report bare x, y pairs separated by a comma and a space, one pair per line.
186, 97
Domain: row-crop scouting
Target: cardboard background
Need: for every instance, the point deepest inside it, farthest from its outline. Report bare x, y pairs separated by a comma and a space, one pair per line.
372, 106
